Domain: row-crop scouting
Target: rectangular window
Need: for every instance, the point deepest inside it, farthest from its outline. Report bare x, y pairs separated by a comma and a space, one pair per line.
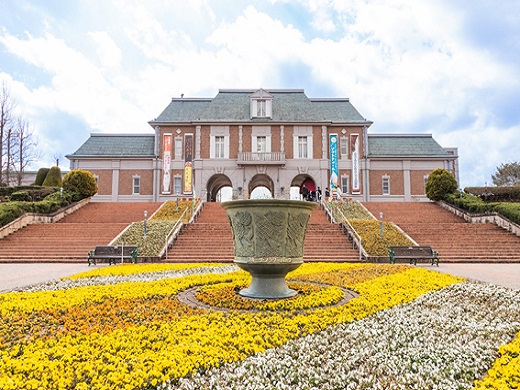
260, 108
261, 144
177, 183
302, 147
344, 147
219, 147
386, 185
136, 185
344, 184
178, 148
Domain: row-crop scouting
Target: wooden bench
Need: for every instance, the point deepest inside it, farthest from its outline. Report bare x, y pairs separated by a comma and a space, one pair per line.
413, 254
113, 254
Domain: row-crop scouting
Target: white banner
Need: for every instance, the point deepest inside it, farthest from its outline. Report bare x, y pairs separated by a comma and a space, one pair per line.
354, 147
167, 161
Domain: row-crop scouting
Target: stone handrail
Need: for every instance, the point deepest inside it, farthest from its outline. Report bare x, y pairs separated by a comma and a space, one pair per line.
348, 229
32, 218
494, 217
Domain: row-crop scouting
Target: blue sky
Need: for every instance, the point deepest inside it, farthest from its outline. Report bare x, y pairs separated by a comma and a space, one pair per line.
449, 68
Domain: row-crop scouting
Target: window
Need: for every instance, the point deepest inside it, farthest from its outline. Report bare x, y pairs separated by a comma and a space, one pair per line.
344, 147
219, 142
136, 187
219, 147
261, 144
178, 148
302, 147
386, 185
425, 181
344, 184
260, 108
177, 184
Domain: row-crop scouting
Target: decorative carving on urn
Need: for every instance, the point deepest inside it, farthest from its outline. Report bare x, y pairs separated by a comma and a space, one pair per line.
268, 237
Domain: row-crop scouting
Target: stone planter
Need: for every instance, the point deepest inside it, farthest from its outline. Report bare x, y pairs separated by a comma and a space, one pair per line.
268, 237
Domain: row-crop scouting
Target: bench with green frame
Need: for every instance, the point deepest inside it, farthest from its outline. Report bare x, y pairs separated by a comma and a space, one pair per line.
112, 254
413, 254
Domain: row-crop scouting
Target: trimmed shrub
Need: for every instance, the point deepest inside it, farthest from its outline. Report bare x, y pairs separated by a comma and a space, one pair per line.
22, 196
9, 212
80, 183
509, 210
40, 176
53, 178
496, 194
440, 183
63, 199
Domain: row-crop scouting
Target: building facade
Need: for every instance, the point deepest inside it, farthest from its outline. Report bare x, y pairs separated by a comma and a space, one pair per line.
277, 139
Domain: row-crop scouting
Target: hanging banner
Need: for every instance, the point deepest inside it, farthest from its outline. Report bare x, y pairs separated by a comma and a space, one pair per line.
167, 161
354, 148
334, 172
188, 163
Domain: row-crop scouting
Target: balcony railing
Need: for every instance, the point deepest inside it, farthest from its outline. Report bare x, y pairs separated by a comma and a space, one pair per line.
265, 158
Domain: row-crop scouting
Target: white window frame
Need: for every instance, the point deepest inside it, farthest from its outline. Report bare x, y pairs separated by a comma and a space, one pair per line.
345, 184
302, 131
178, 148
177, 184
425, 181
219, 131
385, 185
136, 185
303, 147
261, 108
219, 146
261, 144
343, 143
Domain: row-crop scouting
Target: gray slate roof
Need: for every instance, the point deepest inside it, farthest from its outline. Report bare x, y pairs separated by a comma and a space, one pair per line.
404, 145
233, 106
113, 145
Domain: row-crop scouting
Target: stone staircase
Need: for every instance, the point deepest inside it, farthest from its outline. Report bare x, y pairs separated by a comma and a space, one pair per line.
455, 239
71, 238
210, 239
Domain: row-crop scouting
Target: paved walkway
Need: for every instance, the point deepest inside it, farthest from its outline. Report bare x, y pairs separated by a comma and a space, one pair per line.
502, 274
13, 276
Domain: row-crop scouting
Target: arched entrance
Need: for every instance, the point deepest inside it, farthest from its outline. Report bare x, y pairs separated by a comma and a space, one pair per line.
215, 186
261, 180
297, 185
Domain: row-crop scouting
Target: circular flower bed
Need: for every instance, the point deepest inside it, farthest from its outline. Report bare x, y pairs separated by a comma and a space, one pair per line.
310, 295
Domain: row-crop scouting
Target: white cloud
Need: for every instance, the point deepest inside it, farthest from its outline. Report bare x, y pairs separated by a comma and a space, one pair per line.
407, 66
108, 52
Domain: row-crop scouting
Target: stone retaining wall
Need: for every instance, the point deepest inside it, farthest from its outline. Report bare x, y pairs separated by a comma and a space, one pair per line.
32, 218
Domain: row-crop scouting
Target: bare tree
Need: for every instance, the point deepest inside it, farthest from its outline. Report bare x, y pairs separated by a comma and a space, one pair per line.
25, 146
18, 145
6, 122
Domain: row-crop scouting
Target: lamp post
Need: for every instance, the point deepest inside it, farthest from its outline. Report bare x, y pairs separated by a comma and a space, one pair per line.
144, 223
381, 224
177, 200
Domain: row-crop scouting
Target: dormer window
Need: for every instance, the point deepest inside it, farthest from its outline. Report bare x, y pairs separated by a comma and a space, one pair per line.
260, 108
261, 104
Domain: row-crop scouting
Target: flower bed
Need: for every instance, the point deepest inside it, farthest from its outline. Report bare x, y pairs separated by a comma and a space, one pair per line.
375, 244
409, 328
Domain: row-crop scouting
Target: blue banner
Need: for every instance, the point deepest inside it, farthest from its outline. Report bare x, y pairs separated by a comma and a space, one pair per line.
334, 173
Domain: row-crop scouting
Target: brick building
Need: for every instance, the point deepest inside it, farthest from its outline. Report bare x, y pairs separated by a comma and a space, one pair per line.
278, 139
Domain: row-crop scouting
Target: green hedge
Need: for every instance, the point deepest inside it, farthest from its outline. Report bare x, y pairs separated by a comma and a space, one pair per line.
475, 204
8, 191
9, 211
496, 194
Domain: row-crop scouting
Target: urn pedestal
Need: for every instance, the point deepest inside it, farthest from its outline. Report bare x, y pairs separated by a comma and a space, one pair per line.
268, 237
